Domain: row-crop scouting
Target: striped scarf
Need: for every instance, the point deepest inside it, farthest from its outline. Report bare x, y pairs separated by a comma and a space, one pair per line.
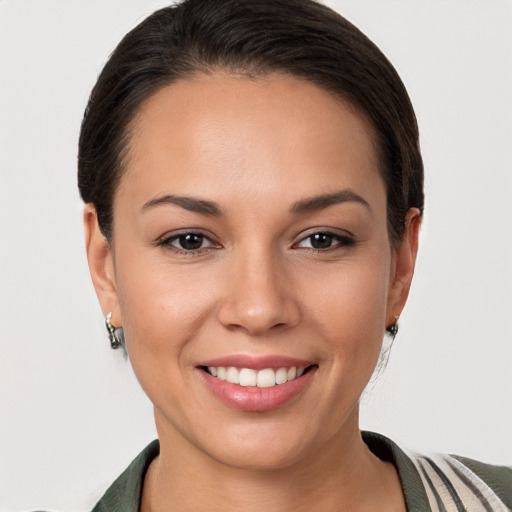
453, 487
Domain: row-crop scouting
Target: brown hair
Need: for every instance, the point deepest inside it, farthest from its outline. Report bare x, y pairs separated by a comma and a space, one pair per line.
300, 37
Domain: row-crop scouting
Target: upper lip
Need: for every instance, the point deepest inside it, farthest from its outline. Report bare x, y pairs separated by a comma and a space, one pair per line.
257, 362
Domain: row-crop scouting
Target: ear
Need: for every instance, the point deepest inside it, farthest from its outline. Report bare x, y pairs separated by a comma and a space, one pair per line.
101, 265
402, 266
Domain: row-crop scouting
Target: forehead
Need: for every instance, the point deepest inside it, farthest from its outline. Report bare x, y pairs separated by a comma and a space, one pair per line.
258, 133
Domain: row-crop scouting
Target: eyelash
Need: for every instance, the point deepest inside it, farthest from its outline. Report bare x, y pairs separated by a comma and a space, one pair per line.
343, 241
166, 243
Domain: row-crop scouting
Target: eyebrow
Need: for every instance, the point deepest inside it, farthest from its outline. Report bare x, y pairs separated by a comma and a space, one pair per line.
211, 208
323, 201
191, 204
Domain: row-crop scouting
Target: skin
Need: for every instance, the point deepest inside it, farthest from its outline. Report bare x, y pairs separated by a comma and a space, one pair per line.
255, 147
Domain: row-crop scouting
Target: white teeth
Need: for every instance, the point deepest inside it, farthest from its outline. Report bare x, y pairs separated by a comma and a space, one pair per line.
247, 377
266, 378
281, 376
233, 375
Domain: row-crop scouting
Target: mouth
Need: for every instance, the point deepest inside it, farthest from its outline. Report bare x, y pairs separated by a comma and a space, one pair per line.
262, 378
257, 384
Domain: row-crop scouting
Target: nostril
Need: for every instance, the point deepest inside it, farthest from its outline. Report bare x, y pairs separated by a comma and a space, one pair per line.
257, 308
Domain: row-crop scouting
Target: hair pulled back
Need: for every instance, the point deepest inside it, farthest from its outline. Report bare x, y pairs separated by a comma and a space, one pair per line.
252, 37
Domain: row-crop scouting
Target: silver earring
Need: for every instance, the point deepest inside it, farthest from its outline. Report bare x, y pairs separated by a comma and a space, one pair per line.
115, 334
393, 329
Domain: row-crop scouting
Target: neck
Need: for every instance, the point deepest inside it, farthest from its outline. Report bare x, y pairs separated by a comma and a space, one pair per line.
337, 477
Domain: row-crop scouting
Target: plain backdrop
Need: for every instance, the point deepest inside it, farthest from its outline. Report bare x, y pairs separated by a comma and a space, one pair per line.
71, 414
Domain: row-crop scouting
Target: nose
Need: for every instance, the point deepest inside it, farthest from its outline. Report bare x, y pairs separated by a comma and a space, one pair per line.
259, 296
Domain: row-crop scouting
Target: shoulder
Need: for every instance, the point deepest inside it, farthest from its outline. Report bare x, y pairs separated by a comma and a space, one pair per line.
498, 478
465, 483
439, 482
125, 493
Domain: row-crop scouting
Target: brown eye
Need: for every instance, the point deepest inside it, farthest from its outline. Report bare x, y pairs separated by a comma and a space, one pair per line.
187, 242
323, 241
190, 241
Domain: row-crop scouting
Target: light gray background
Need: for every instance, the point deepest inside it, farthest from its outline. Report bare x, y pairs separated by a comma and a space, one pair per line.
72, 415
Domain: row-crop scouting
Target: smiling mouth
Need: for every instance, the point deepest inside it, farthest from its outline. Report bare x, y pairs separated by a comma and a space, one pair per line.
264, 378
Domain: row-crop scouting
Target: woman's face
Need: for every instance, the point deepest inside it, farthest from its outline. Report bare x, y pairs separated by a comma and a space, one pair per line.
250, 234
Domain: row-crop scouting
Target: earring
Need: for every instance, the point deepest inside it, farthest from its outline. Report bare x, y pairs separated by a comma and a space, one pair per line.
115, 334
393, 329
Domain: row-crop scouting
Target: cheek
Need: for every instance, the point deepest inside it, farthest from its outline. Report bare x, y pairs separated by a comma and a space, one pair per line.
163, 311
162, 306
350, 300
348, 318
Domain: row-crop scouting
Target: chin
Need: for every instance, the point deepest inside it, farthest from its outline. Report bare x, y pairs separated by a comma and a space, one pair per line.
265, 443
257, 456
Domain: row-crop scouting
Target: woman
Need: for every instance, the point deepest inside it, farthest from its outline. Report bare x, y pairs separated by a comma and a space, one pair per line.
253, 189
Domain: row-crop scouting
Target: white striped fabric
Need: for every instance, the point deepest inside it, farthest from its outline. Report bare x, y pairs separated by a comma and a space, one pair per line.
452, 487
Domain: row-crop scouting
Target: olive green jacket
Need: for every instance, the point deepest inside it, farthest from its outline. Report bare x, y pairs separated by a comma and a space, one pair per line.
437, 483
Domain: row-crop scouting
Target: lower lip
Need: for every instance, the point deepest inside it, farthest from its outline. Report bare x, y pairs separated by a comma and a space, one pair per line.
254, 399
